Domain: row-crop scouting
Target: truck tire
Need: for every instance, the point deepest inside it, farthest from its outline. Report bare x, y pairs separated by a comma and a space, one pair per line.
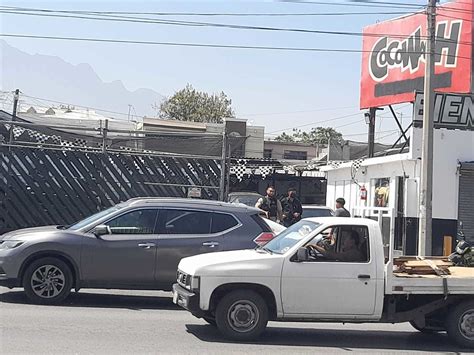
242, 315
460, 324
429, 327
47, 281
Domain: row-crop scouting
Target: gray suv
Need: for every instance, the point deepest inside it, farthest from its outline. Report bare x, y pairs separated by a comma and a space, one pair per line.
133, 245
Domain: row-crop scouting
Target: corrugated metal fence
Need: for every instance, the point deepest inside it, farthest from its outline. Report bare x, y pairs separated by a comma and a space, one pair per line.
41, 184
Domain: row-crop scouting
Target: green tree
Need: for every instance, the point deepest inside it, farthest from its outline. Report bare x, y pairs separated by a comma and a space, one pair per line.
285, 138
316, 135
188, 104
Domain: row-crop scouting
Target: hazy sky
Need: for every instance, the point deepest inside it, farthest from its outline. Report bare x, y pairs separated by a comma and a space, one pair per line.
276, 89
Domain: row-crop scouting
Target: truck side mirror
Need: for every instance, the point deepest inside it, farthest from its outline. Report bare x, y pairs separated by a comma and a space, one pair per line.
302, 255
101, 229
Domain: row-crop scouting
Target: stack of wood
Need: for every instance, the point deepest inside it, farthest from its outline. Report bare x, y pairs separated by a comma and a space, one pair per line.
414, 265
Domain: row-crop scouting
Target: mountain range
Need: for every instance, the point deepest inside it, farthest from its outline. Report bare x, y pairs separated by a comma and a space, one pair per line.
50, 77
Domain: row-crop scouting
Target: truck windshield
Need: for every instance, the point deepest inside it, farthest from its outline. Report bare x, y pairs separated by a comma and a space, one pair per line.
290, 236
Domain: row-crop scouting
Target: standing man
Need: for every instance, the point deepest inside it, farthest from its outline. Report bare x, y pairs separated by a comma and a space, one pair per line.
340, 209
270, 205
292, 209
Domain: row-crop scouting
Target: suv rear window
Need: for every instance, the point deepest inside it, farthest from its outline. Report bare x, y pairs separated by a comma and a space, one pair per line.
261, 222
222, 222
186, 222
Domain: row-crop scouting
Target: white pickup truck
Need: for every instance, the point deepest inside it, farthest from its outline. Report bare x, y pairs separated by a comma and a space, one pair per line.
349, 280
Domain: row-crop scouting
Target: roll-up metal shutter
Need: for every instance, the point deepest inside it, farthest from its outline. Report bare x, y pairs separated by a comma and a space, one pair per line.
466, 199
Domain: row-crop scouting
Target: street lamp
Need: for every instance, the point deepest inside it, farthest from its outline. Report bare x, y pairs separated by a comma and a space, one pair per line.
367, 117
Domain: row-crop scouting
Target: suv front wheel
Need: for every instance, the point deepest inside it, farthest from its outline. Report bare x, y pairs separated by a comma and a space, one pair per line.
47, 281
242, 315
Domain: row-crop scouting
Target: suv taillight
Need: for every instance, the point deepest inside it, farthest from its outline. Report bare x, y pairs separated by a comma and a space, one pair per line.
264, 238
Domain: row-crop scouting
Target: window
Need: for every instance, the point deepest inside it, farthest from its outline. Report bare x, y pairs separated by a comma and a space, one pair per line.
95, 217
295, 155
222, 222
186, 222
267, 153
381, 192
342, 243
291, 236
134, 222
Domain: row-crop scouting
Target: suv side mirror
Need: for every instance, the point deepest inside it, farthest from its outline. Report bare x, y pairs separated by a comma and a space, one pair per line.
101, 229
302, 255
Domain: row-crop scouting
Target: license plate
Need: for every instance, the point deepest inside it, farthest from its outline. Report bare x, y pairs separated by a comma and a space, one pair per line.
175, 297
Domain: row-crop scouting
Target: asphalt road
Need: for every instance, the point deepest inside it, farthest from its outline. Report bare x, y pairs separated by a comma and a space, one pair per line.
119, 322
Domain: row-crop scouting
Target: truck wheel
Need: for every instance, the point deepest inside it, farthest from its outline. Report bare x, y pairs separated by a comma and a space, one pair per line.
47, 281
242, 315
429, 327
460, 324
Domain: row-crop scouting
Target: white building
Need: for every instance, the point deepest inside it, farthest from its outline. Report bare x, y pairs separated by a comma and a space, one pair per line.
392, 182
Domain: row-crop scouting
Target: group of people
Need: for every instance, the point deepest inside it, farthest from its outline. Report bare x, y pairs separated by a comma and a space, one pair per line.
289, 210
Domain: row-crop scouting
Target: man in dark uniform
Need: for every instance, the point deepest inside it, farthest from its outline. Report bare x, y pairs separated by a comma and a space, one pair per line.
270, 205
292, 209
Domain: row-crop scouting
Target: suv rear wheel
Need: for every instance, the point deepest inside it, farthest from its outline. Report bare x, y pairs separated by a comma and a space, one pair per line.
47, 281
242, 315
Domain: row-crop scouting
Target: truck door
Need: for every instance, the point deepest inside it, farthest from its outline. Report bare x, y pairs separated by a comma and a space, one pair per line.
341, 281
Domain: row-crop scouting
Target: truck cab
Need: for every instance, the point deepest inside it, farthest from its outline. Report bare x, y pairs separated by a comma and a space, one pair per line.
320, 269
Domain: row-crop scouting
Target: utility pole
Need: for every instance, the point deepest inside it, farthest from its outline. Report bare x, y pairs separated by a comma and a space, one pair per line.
223, 176
426, 186
129, 109
371, 137
329, 149
16, 97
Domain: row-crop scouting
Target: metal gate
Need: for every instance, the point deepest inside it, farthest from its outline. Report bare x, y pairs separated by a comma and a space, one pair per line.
466, 198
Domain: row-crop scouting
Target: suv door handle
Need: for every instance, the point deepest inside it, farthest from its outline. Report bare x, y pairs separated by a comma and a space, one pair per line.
146, 245
364, 276
210, 244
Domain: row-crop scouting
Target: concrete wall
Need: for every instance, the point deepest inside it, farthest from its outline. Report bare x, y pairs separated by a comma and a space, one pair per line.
254, 143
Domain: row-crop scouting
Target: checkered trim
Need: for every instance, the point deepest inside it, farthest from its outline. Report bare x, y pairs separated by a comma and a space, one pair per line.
336, 164
356, 164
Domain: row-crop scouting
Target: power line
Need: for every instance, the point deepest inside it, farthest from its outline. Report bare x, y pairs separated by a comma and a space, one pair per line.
302, 111
314, 123
69, 103
220, 25
202, 24
360, 3
209, 14
206, 45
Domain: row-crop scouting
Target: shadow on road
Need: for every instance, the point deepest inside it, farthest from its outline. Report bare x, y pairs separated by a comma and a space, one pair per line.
100, 300
339, 338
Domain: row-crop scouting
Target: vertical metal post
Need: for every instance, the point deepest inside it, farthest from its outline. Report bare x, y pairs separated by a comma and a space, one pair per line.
329, 149
104, 136
371, 137
223, 166
16, 96
426, 186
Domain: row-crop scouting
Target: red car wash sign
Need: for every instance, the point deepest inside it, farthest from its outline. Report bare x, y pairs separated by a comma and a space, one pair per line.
393, 58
